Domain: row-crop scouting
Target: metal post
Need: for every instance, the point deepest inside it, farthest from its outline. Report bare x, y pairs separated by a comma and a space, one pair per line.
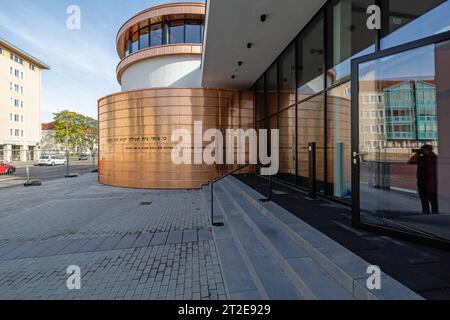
27, 168
312, 170
67, 147
270, 188
212, 204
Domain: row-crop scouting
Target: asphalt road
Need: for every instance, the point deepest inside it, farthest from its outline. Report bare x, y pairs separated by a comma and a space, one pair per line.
44, 173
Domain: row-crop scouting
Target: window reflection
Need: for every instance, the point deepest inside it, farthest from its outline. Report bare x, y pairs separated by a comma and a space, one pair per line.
310, 128
404, 145
412, 20
260, 99
156, 36
348, 36
194, 31
310, 59
272, 89
339, 141
135, 42
178, 31
144, 38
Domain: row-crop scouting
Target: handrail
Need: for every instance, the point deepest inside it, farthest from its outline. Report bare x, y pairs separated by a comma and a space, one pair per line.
220, 224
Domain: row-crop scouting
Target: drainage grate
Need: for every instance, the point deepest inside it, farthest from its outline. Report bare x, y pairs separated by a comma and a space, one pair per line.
146, 203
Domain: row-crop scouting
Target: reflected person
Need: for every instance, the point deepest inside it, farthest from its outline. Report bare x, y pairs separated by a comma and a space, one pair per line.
426, 161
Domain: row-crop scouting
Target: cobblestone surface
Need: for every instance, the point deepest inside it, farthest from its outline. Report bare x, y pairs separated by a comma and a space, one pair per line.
129, 244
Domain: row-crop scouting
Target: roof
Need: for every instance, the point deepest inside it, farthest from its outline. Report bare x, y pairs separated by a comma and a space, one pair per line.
48, 126
25, 55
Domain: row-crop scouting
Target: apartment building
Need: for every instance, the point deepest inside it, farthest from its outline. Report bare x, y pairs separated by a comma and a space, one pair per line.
20, 103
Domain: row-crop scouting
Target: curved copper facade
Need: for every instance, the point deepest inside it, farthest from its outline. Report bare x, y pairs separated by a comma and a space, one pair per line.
135, 131
154, 52
171, 11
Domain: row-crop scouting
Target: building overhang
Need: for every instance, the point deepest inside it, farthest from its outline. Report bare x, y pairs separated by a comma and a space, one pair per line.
232, 24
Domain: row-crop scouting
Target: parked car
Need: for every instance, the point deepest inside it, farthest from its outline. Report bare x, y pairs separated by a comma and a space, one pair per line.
83, 157
7, 168
51, 161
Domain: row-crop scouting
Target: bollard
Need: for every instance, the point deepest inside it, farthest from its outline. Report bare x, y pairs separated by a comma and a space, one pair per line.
312, 170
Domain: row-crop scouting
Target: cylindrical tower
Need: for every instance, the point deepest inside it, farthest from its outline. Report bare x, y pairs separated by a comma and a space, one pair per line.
162, 47
161, 50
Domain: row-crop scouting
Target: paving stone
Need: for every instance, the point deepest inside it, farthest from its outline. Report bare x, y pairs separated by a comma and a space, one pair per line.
56, 248
190, 236
204, 235
109, 243
18, 251
85, 223
175, 237
74, 246
35, 251
126, 242
92, 245
159, 238
143, 240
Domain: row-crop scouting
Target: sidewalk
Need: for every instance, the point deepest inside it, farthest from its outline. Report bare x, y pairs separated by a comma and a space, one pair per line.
129, 244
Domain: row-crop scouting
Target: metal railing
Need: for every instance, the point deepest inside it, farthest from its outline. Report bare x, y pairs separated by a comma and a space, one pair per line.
212, 183
31, 166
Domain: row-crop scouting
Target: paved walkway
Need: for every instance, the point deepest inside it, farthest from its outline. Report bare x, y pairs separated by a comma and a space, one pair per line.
129, 244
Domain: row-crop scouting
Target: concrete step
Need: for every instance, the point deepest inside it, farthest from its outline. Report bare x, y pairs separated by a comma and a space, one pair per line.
269, 276
300, 271
338, 263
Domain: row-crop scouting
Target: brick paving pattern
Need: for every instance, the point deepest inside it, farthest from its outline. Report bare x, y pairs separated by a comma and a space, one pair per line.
129, 244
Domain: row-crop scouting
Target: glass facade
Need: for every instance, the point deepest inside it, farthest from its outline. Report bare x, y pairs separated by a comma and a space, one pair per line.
170, 32
348, 36
387, 152
309, 105
429, 17
403, 140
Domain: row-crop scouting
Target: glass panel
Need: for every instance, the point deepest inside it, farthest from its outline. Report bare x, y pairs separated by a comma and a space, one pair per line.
177, 31
413, 20
144, 38
287, 145
310, 129
349, 36
128, 47
194, 31
310, 59
339, 141
260, 99
272, 89
404, 141
156, 35
135, 42
286, 81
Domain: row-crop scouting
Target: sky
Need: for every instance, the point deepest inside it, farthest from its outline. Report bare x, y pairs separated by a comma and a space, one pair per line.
83, 62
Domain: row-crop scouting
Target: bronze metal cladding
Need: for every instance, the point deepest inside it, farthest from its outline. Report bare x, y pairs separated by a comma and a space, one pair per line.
135, 131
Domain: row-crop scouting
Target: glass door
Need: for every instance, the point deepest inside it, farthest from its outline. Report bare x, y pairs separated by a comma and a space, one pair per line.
401, 139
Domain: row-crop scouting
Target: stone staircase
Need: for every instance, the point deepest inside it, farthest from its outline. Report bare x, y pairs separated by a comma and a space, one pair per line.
268, 253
